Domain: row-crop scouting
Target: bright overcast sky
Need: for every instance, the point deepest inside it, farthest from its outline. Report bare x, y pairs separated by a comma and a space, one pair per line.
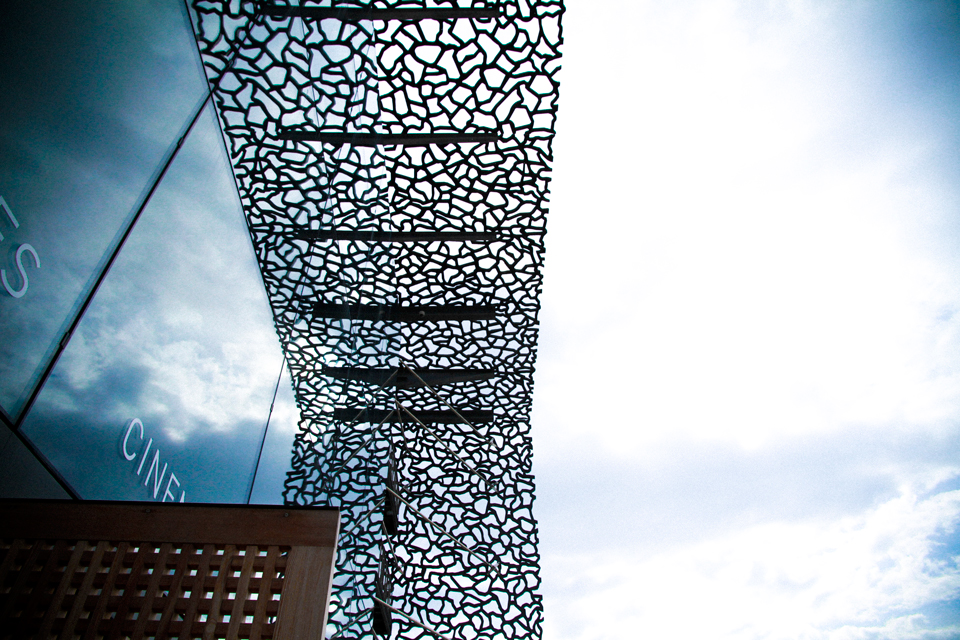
747, 403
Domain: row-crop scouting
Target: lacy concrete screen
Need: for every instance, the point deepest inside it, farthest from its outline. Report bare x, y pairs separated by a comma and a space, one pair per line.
393, 163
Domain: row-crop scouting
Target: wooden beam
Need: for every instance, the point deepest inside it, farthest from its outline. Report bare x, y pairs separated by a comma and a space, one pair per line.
169, 522
306, 594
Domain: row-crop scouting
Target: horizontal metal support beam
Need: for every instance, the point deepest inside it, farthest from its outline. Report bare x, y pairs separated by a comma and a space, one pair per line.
441, 440
396, 236
359, 139
360, 414
352, 14
401, 313
402, 377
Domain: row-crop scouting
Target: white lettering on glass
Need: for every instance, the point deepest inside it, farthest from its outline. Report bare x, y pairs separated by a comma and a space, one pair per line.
166, 492
157, 476
126, 436
18, 293
13, 218
153, 467
22, 249
143, 459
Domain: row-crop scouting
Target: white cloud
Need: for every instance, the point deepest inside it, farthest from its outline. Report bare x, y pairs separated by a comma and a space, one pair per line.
858, 577
182, 319
751, 325
749, 255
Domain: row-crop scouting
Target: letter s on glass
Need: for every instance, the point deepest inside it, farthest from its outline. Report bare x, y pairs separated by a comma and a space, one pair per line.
18, 293
126, 436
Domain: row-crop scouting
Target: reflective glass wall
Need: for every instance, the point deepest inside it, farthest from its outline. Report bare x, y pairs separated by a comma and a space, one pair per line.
172, 370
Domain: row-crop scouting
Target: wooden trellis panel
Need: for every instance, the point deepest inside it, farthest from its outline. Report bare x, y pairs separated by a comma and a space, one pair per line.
133, 570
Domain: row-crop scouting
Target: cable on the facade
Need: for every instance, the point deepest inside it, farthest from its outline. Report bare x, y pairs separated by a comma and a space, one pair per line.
263, 438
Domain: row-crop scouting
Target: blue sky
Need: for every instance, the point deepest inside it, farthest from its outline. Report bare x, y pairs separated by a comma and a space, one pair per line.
747, 400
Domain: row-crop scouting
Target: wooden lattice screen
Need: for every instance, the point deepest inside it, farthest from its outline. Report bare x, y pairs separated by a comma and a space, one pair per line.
139, 570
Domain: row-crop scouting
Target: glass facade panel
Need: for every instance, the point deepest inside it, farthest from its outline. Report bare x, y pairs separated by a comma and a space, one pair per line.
164, 389
94, 96
23, 476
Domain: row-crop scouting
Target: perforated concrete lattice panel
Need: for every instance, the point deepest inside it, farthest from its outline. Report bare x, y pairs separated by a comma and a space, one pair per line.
393, 162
